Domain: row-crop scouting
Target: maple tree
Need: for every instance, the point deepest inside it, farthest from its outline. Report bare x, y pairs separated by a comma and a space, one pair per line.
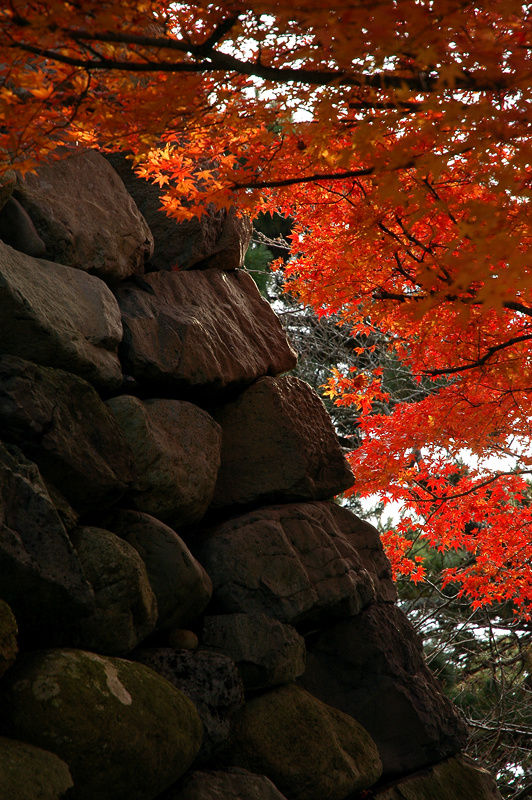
395, 133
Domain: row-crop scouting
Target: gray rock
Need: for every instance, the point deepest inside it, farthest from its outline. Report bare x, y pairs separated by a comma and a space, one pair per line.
200, 331
29, 773
8, 637
18, 231
176, 451
210, 680
125, 733
309, 750
219, 238
291, 562
85, 216
181, 585
266, 652
126, 607
372, 668
42, 578
233, 784
278, 444
59, 317
60, 422
455, 779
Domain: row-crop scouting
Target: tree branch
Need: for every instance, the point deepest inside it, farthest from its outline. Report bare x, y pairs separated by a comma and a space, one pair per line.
478, 363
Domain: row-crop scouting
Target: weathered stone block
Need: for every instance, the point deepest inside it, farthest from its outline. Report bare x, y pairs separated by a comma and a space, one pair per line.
8, 637
125, 732
372, 667
266, 652
212, 683
126, 607
219, 238
455, 779
29, 773
291, 562
176, 451
233, 784
278, 444
200, 331
59, 317
309, 750
61, 423
42, 578
87, 219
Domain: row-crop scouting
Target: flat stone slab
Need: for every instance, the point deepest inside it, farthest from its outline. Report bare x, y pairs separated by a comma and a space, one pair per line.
60, 317
202, 331
454, 779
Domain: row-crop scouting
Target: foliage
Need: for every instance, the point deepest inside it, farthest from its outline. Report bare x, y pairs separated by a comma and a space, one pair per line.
396, 135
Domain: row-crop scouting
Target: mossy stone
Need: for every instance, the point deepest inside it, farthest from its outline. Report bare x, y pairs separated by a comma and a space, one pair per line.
124, 731
309, 750
29, 773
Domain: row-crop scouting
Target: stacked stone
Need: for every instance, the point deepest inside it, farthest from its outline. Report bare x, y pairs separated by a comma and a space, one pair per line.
196, 618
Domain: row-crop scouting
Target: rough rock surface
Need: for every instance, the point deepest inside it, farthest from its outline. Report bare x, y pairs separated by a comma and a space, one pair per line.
8, 637
41, 575
287, 727
59, 317
181, 585
217, 239
210, 680
266, 652
18, 231
278, 444
455, 779
233, 784
29, 773
372, 667
60, 422
85, 216
204, 331
125, 733
366, 541
126, 608
176, 451
290, 562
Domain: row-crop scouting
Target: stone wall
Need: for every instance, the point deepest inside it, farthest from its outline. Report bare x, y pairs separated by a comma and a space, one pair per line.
185, 613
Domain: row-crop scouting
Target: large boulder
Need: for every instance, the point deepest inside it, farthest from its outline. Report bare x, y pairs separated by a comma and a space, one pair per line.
180, 584
212, 683
42, 578
61, 423
29, 773
454, 779
372, 667
200, 332
176, 451
232, 784
266, 652
278, 445
85, 216
59, 317
291, 562
125, 732
219, 238
126, 607
8, 637
309, 750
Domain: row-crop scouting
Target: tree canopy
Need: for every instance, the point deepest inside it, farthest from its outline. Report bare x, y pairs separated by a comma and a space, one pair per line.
395, 134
